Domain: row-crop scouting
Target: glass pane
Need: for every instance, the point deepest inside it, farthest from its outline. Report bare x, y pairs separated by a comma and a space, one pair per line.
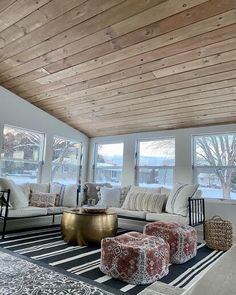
65, 174
217, 182
157, 152
65, 164
109, 174
215, 150
19, 171
109, 155
155, 177
20, 144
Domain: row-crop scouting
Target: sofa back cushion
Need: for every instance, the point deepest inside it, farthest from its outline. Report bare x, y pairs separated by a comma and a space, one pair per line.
177, 202
143, 199
39, 187
109, 197
18, 199
58, 189
70, 195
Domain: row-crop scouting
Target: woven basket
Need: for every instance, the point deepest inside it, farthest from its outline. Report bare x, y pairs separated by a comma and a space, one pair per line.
219, 233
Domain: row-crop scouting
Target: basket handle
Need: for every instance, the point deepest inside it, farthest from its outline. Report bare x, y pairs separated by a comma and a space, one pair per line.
216, 217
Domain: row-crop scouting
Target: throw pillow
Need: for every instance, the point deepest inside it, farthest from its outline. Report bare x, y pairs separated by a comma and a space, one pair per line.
177, 202
17, 198
110, 197
58, 189
42, 200
145, 199
70, 195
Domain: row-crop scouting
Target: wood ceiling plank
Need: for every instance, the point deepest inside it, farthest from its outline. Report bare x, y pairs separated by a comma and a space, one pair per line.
201, 112
156, 28
79, 16
118, 43
138, 61
18, 10
36, 19
6, 3
157, 93
92, 16
198, 28
178, 124
74, 91
163, 104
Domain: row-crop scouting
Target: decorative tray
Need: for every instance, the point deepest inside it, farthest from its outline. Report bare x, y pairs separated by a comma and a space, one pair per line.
90, 209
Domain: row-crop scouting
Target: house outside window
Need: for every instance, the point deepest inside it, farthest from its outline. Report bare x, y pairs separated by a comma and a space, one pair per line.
108, 163
22, 154
66, 161
214, 165
155, 162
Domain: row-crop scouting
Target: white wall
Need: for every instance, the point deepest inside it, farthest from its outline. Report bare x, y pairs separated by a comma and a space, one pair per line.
16, 111
183, 159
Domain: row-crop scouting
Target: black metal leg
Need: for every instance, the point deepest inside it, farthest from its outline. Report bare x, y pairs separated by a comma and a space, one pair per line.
4, 227
53, 218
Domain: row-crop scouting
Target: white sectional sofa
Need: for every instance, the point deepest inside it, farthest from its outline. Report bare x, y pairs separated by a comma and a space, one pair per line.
35, 200
182, 204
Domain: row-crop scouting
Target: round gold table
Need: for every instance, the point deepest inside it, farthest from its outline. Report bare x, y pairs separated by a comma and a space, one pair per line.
83, 228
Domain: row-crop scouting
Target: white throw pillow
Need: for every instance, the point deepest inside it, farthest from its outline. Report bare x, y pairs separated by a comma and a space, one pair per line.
70, 195
17, 198
177, 202
110, 197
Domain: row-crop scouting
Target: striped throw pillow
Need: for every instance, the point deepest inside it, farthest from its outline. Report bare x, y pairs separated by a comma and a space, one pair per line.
177, 202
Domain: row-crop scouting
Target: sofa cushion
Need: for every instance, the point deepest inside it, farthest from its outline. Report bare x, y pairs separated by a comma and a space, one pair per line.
129, 213
91, 190
177, 202
70, 195
55, 210
166, 217
39, 187
17, 198
110, 197
26, 212
42, 200
144, 199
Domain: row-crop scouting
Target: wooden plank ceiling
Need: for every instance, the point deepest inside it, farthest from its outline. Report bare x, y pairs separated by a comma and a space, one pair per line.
111, 67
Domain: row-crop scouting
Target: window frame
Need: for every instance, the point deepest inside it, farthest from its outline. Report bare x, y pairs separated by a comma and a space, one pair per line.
195, 167
79, 159
41, 155
94, 166
137, 157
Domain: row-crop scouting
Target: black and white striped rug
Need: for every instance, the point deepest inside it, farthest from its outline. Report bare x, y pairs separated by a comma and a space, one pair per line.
47, 246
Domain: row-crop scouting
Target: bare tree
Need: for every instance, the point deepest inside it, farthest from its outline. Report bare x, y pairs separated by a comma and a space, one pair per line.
219, 152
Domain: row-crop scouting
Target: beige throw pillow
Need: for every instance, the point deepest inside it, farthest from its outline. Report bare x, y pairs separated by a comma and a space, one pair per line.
149, 200
43, 200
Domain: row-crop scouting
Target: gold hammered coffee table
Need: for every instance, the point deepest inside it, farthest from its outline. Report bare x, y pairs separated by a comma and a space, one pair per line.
82, 227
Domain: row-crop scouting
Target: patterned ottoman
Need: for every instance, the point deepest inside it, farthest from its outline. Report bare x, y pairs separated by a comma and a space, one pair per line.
135, 258
181, 238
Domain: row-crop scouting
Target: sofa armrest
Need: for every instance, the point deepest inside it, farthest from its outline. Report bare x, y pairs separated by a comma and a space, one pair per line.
196, 211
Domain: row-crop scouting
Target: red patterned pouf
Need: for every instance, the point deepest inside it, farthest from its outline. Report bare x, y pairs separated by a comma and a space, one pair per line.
181, 238
135, 258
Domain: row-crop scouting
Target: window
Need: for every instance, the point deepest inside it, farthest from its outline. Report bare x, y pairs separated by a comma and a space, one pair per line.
108, 163
214, 165
22, 154
155, 162
66, 161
